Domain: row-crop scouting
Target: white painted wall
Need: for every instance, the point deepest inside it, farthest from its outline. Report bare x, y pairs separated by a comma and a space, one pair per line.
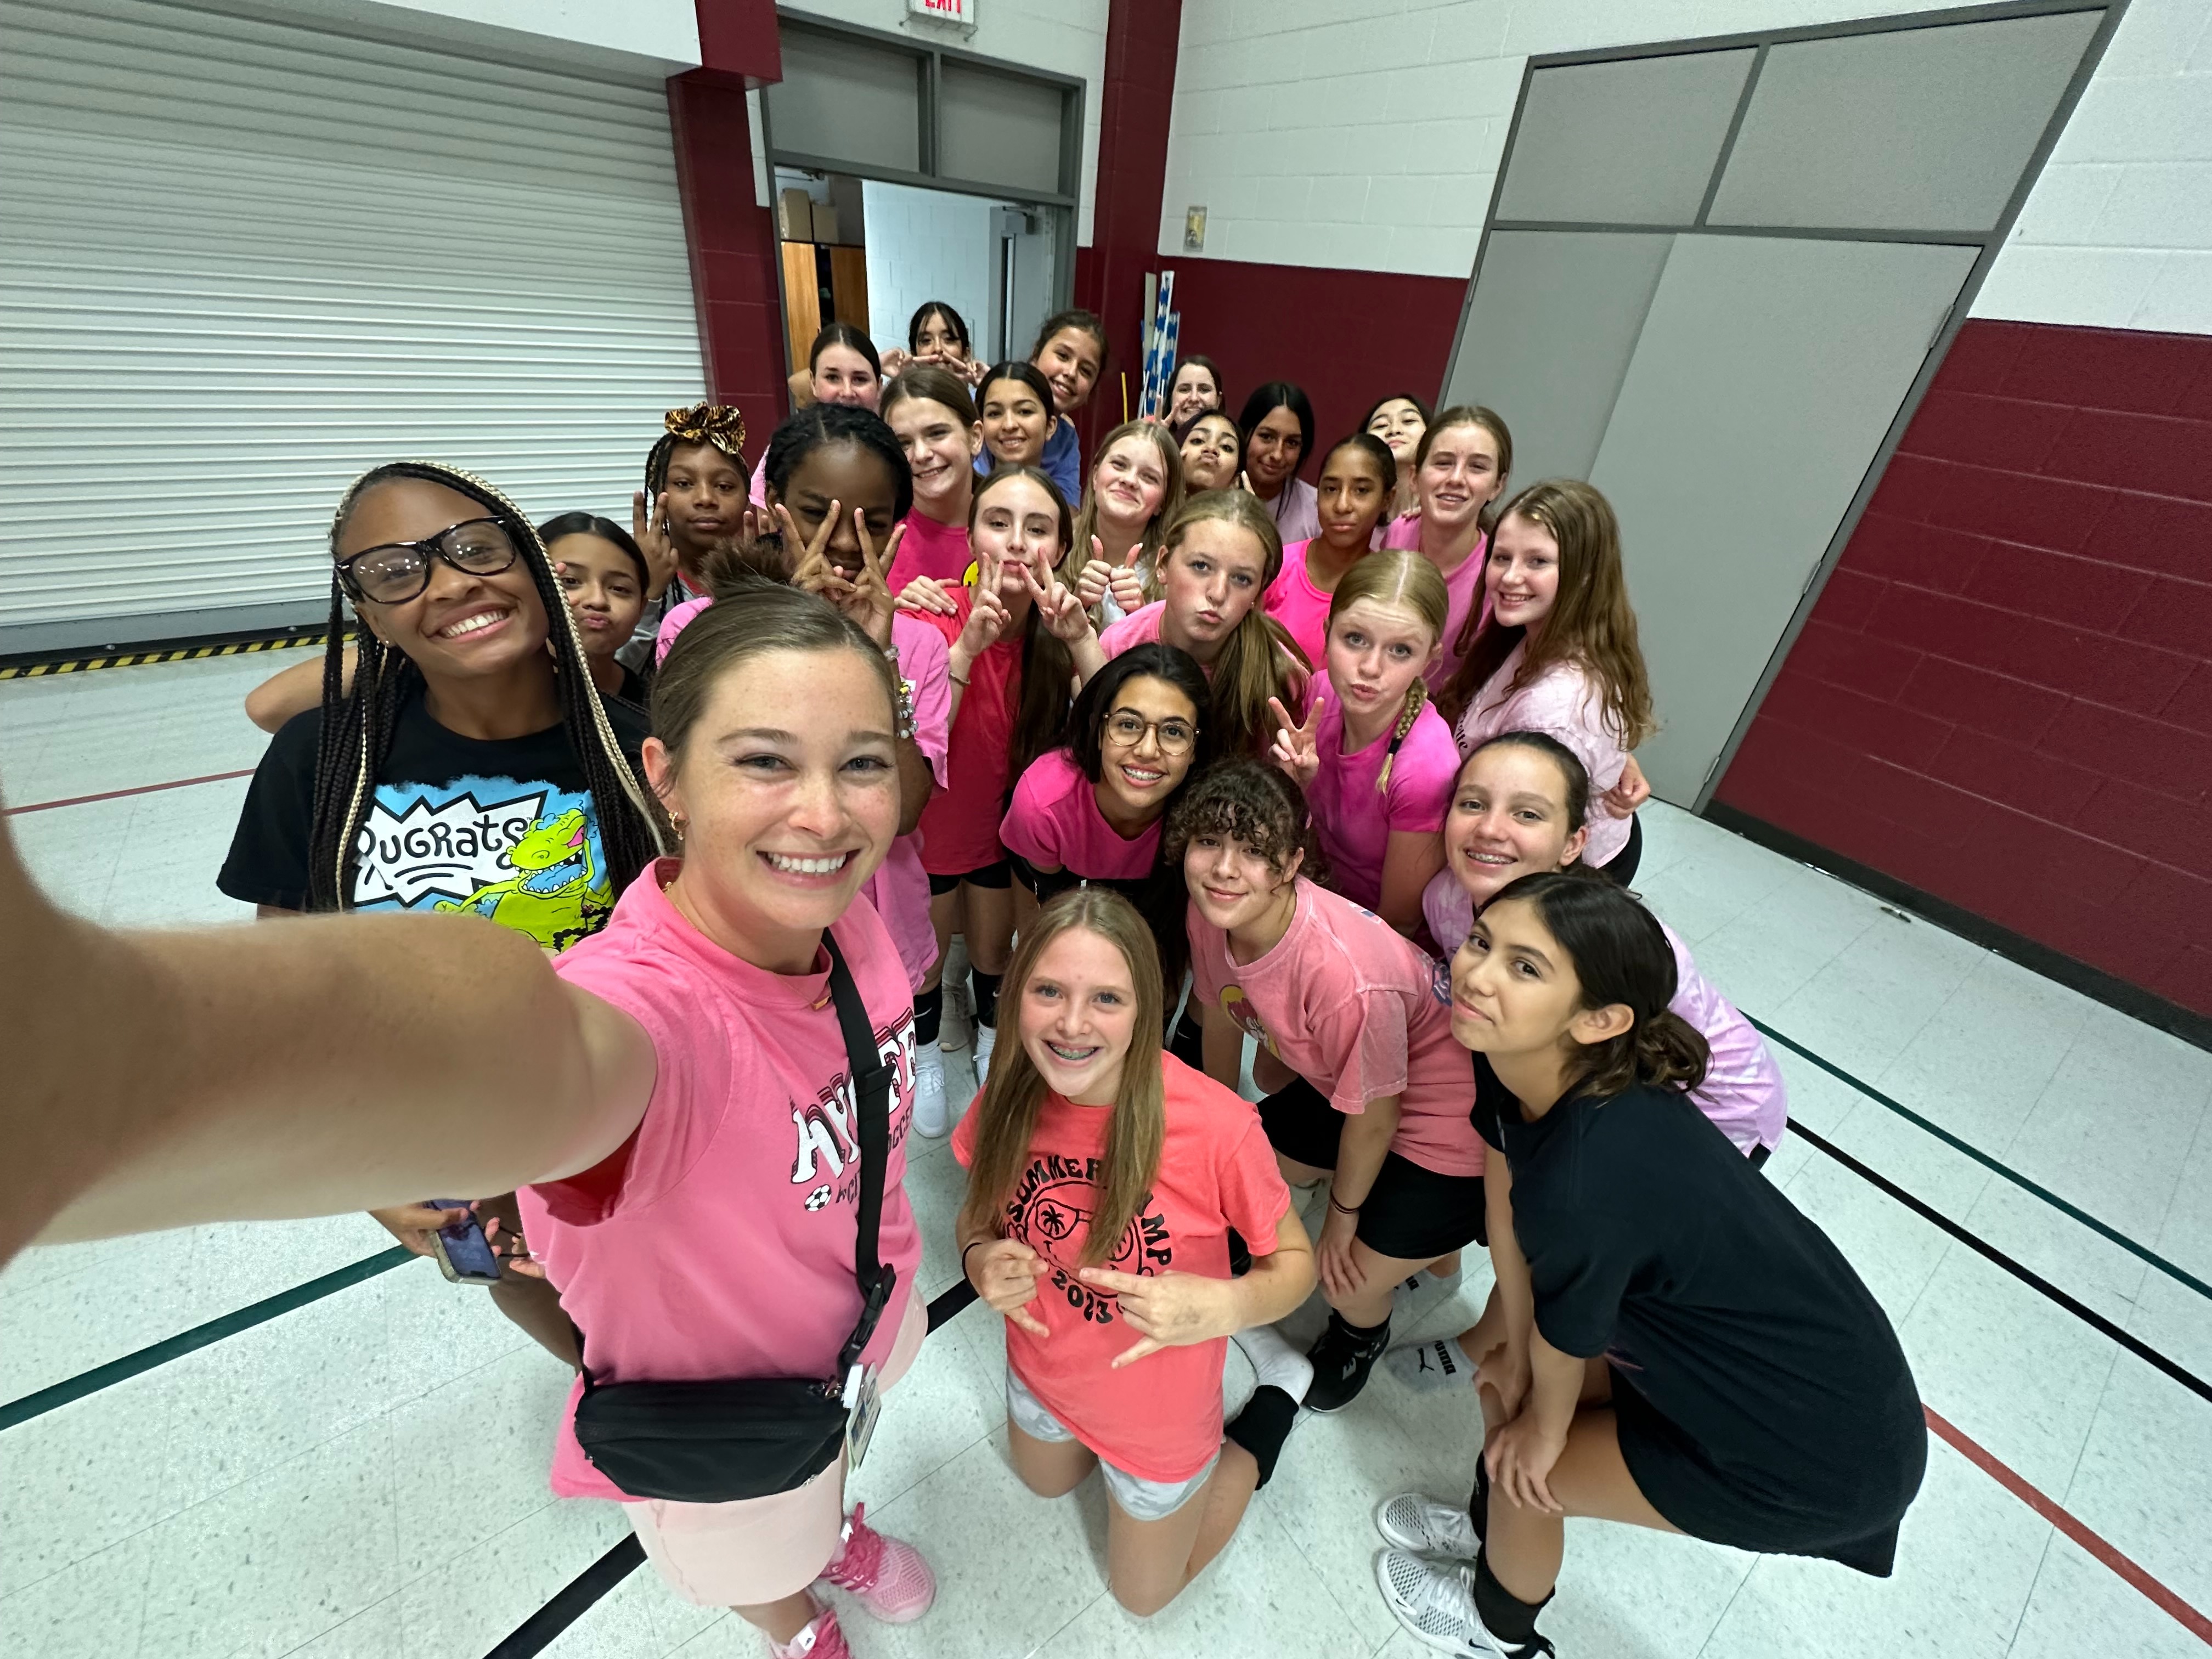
1365, 134
925, 244
1066, 37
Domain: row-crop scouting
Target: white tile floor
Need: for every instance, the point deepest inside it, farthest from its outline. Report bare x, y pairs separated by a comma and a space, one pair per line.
364, 1477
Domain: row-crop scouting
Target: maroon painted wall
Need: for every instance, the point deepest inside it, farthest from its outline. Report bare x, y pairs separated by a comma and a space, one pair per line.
2003, 696
1135, 106
1347, 337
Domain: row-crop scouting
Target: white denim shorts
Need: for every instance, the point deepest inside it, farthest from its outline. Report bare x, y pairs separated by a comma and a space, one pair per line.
1140, 1499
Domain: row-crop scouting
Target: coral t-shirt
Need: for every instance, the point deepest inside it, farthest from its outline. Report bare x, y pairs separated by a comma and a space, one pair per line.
959, 827
1743, 1092
900, 888
1158, 1418
1356, 821
1054, 823
939, 551
1302, 608
1463, 589
718, 1244
1564, 701
1358, 1012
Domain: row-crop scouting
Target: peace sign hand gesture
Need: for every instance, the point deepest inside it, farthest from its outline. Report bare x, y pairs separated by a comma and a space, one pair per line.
989, 619
1297, 749
864, 597
1168, 1310
649, 530
1062, 610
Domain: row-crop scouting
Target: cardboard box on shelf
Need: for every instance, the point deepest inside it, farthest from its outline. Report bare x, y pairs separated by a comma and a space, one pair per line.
825, 222
794, 215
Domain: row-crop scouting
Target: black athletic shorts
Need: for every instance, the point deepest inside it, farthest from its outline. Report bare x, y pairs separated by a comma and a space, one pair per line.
1411, 1212
1622, 869
995, 875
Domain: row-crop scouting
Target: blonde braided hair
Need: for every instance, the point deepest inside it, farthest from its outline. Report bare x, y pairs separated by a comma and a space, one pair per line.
1404, 579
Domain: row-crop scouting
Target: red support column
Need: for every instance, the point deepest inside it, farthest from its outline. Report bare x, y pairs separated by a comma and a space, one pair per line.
1138, 97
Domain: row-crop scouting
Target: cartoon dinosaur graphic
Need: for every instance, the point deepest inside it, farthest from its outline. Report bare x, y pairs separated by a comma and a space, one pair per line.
559, 895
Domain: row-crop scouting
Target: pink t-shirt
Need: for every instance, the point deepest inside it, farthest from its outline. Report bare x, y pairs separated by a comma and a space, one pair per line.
1054, 823
1302, 608
900, 888
939, 551
718, 1242
960, 825
1159, 1418
1563, 702
1360, 1012
1463, 588
1356, 821
1143, 628
1743, 1092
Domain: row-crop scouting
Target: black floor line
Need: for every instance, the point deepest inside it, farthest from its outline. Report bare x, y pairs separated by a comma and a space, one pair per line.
175, 1347
574, 1599
2179, 1275
2027, 1275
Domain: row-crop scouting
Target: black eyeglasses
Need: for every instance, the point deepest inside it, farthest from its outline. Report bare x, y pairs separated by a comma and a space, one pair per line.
1126, 730
398, 571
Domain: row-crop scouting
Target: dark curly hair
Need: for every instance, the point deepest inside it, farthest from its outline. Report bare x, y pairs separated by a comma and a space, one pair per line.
1247, 801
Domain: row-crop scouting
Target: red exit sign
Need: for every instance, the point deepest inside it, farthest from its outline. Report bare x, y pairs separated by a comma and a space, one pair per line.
944, 11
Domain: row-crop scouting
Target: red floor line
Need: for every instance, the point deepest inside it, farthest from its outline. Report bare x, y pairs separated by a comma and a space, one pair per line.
2167, 1602
117, 795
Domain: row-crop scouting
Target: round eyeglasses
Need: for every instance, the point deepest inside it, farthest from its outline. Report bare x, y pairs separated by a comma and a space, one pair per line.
398, 571
1126, 730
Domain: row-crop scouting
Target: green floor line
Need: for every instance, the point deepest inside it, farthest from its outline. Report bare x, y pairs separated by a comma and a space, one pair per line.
2179, 1275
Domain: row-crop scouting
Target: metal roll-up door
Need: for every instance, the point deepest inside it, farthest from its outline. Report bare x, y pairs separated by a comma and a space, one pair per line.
242, 260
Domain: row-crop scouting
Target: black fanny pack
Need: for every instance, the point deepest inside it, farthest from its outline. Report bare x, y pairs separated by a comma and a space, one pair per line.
715, 1442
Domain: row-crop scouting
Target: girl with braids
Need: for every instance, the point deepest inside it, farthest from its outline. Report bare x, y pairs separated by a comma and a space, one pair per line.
1685, 1351
1399, 420
1355, 480
1520, 806
1556, 652
1215, 562
696, 487
1135, 492
930, 410
1375, 759
462, 767
1368, 1091
838, 484
1016, 638
1460, 466
602, 571
1105, 1180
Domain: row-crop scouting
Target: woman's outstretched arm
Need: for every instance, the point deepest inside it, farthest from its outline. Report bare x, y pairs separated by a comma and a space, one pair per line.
159, 1079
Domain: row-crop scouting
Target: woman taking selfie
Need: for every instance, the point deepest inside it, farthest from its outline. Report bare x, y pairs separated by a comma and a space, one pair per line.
1687, 1351
1104, 1180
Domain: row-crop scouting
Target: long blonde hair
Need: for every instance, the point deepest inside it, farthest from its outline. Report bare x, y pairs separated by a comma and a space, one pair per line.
1408, 581
1249, 669
1591, 623
1087, 519
1012, 1101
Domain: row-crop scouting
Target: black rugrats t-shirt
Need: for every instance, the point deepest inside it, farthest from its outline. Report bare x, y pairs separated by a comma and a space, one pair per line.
1652, 1241
506, 830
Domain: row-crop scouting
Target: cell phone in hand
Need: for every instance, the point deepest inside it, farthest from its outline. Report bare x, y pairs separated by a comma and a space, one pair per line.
464, 1255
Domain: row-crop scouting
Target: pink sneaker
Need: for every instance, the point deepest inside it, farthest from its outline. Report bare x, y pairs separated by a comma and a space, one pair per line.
820, 1639
891, 1579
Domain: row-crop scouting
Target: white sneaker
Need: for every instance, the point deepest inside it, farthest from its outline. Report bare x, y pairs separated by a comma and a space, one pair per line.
1418, 1524
1435, 1601
929, 1116
987, 1038
1274, 1361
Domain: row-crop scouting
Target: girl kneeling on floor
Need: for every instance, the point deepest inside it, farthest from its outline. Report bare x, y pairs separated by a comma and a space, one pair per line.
1369, 1092
1686, 1350
1104, 1179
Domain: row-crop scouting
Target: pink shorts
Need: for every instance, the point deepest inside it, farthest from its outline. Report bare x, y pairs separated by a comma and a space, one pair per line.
759, 1550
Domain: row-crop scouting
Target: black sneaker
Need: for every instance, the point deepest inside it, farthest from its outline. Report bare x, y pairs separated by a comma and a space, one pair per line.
1342, 1357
